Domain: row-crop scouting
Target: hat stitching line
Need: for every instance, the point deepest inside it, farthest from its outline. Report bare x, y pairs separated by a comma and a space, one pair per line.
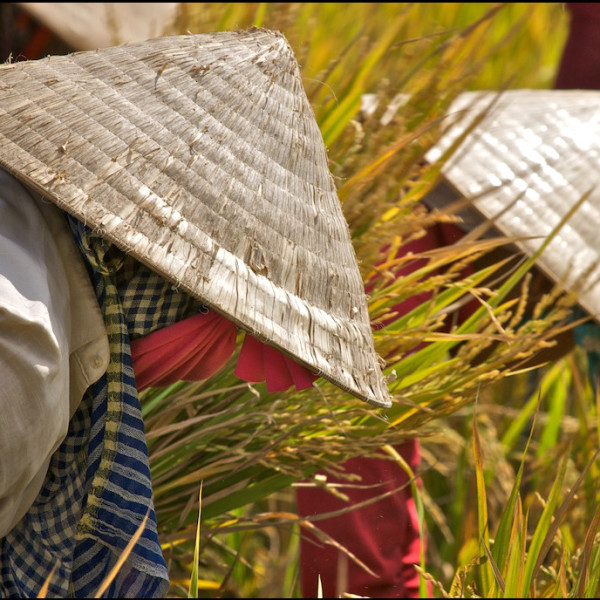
145, 59
223, 105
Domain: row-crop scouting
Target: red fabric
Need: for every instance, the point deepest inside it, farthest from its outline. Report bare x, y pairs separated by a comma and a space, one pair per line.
197, 347
580, 62
190, 350
385, 534
259, 362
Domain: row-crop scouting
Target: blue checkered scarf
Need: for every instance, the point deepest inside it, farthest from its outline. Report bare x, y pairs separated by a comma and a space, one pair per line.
98, 490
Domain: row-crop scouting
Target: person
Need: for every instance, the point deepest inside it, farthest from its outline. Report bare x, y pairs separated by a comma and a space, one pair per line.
384, 534
64, 345
90, 315
579, 68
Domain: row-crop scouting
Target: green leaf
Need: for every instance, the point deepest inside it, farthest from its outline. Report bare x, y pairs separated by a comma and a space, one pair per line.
487, 575
516, 555
559, 514
557, 398
535, 547
518, 423
502, 543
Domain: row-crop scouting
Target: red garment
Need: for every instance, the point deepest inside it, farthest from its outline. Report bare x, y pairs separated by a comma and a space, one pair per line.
385, 534
190, 350
259, 362
197, 347
580, 62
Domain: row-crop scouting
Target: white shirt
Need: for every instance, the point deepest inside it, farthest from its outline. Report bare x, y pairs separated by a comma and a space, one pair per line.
53, 342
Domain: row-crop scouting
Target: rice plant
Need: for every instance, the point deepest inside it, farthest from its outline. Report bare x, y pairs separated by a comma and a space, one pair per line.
247, 448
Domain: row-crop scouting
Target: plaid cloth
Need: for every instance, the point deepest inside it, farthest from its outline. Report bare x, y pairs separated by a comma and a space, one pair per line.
98, 488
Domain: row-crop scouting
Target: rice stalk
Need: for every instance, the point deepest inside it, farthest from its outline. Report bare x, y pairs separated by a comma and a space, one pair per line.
247, 446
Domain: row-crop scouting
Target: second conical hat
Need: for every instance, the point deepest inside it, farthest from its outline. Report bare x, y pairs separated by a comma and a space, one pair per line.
91, 25
529, 158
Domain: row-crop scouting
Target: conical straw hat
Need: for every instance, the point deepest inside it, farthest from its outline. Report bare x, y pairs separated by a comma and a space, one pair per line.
91, 25
525, 165
200, 156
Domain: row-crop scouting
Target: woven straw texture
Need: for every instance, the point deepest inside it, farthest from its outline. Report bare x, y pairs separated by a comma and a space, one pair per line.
533, 156
200, 155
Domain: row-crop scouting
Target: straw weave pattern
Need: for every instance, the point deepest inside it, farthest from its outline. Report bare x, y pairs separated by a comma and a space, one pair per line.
529, 161
200, 156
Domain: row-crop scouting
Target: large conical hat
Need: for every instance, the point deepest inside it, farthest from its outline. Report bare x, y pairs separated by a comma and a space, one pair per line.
91, 25
529, 161
200, 155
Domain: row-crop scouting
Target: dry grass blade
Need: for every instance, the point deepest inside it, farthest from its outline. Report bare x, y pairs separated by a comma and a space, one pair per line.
193, 589
44, 589
588, 546
122, 558
228, 575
